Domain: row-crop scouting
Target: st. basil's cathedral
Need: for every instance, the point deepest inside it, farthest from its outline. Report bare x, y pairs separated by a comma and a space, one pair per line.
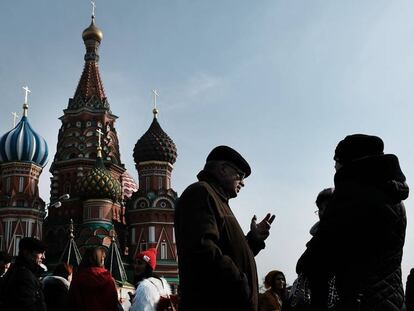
96, 201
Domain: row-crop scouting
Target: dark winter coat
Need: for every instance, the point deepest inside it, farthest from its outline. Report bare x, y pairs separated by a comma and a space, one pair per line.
21, 289
361, 236
56, 289
409, 291
216, 260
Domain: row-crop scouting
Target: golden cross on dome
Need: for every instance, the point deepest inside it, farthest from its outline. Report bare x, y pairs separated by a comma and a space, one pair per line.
93, 8
99, 153
155, 110
100, 133
25, 105
15, 116
27, 91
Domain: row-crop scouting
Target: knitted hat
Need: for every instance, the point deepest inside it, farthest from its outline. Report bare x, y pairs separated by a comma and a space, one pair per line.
356, 146
149, 256
225, 153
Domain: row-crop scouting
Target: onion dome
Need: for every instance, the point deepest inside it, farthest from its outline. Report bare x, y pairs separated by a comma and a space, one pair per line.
23, 144
155, 145
99, 183
92, 32
128, 184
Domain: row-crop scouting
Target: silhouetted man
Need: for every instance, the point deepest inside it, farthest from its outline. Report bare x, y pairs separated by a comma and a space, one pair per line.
22, 290
216, 260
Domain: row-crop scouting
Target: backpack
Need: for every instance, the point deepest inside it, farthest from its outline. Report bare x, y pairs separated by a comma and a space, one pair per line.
167, 303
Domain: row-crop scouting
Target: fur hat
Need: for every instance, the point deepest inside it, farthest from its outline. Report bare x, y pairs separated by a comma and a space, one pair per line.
149, 256
225, 153
32, 245
356, 146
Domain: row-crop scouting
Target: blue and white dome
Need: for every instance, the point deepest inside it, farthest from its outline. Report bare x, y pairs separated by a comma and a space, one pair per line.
23, 144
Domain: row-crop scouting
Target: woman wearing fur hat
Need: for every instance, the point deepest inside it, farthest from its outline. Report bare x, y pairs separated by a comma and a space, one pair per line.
150, 287
275, 295
93, 287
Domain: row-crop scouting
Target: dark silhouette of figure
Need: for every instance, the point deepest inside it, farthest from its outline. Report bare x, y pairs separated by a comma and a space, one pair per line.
56, 287
322, 201
21, 288
362, 231
409, 291
216, 260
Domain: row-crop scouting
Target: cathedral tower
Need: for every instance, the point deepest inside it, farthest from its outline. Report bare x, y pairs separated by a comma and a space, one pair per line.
23, 154
150, 213
87, 116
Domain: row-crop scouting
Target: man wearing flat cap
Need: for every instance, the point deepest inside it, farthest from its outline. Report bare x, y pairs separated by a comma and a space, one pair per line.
361, 234
216, 259
21, 288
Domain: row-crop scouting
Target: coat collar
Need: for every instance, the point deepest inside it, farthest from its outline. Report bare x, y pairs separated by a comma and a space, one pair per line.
214, 183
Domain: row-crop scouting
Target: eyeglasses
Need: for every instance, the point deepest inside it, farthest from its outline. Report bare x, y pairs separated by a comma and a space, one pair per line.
240, 175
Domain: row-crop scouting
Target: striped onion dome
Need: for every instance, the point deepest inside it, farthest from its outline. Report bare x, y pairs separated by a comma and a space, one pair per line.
128, 184
23, 144
99, 183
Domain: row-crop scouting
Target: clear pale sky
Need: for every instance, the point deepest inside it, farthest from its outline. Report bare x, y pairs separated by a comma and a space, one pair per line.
280, 81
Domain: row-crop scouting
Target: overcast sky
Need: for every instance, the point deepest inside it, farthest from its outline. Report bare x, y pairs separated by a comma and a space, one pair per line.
280, 81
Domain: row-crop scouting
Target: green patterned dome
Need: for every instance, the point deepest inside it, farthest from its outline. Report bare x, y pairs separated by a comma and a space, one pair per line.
98, 183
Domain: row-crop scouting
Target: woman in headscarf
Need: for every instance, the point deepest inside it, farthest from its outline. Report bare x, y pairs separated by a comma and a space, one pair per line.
93, 287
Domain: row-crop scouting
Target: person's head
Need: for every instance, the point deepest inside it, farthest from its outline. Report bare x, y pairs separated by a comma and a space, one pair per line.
357, 146
5, 261
93, 257
323, 199
32, 250
229, 168
145, 262
275, 280
64, 270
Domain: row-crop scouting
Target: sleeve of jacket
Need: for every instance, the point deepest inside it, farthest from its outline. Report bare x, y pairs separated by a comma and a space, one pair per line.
256, 245
198, 237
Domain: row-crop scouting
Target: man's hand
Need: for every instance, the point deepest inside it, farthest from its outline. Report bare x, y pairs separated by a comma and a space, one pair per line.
261, 230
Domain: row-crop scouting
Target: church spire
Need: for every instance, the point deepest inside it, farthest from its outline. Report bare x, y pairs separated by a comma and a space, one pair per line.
90, 84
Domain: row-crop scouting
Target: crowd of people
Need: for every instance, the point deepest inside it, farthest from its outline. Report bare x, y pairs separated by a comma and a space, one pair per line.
351, 263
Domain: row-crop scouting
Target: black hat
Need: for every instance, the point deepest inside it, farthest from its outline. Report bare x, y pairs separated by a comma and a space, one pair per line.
32, 244
357, 146
225, 153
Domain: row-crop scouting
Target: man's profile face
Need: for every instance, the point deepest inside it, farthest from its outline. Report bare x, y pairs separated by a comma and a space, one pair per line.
34, 256
232, 179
